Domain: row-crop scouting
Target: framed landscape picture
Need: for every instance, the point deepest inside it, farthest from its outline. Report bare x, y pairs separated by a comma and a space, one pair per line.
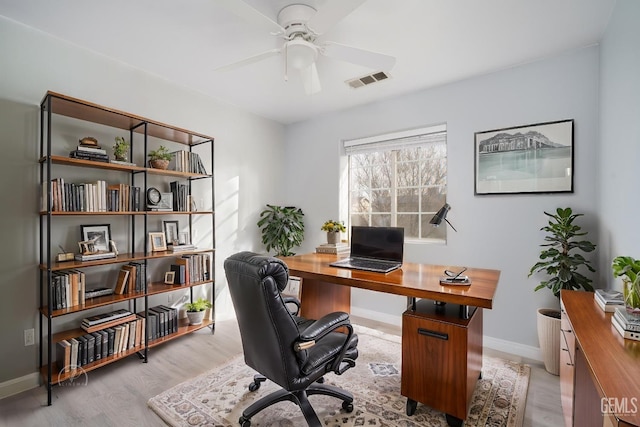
99, 235
534, 158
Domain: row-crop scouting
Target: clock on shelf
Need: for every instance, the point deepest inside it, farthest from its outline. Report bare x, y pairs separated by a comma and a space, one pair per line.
158, 201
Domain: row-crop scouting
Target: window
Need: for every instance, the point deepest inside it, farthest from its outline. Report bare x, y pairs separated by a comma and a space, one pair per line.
399, 180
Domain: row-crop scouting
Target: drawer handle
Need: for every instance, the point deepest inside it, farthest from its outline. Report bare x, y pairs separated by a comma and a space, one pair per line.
433, 334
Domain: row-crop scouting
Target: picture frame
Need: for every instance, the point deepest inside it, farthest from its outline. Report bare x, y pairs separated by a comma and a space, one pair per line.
158, 241
536, 158
169, 277
98, 234
171, 232
183, 238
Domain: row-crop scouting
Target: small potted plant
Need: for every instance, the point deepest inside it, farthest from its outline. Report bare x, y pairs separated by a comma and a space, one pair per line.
121, 149
159, 159
196, 310
629, 269
333, 229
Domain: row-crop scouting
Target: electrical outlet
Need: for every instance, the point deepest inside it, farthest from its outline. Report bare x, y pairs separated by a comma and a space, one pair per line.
29, 337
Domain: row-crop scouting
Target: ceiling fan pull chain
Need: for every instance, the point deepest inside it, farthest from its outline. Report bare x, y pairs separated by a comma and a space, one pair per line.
286, 56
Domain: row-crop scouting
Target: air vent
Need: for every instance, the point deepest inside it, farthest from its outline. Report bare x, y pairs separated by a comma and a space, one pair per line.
367, 80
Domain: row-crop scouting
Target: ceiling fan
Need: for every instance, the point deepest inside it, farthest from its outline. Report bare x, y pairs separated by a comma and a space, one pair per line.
300, 25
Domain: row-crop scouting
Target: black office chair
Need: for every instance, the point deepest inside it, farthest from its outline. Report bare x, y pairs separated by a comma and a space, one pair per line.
291, 351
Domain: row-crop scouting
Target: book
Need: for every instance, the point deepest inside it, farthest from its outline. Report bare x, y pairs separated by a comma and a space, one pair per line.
181, 248
94, 257
63, 355
608, 300
331, 248
91, 149
627, 334
121, 162
121, 282
74, 355
131, 280
627, 321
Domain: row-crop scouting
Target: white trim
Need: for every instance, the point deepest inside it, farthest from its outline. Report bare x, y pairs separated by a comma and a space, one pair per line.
504, 346
396, 135
18, 385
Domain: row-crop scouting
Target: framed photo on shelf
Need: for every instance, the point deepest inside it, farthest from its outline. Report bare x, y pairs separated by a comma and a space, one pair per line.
170, 231
183, 238
99, 235
535, 158
169, 277
158, 241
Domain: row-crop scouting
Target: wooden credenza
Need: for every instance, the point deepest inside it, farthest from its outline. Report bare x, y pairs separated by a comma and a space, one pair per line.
600, 370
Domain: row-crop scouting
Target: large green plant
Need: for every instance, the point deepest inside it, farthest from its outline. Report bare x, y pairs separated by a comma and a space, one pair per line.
559, 259
282, 228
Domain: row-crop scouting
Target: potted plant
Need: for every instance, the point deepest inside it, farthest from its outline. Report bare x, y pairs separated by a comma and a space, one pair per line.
629, 269
282, 228
196, 310
333, 229
560, 260
159, 159
121, 149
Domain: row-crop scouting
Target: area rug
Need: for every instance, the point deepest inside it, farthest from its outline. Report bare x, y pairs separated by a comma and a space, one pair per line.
218, 397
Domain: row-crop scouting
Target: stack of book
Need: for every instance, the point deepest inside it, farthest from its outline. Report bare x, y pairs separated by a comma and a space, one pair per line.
333, 248
106, 320
181, 248
608, 300
627, 325
95, 256
88, 149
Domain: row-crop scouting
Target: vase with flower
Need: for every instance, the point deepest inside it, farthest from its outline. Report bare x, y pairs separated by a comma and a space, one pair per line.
333, 229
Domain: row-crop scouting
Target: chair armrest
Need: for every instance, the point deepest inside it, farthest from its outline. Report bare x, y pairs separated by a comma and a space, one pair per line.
324, 325
292, 300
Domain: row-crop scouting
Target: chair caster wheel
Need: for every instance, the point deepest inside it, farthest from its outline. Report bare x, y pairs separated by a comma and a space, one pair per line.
411, 407
253, 387
347, 406
244, 422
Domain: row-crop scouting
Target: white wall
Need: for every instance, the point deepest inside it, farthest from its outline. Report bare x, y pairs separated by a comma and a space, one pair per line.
248, 165
619, 154
500, 232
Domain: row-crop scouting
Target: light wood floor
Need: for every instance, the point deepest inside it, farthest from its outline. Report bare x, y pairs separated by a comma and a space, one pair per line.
117, 394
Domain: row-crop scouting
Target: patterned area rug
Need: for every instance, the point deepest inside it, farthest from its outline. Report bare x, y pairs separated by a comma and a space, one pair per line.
218, 397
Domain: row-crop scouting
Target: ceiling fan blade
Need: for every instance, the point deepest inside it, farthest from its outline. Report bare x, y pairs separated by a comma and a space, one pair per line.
310, 79
366, 58
331, 13
249, 14
249, 60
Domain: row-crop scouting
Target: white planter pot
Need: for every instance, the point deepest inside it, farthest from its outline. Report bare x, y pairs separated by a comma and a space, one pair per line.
549, 339
195, 317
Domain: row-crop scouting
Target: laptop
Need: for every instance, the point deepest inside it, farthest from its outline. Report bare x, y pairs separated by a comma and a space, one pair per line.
378, 249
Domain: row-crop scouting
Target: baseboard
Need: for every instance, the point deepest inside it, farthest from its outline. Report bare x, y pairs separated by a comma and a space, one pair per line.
511, 347
504, 346
18, 385
391, 319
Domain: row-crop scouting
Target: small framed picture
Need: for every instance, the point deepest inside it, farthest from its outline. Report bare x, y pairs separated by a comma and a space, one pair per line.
171, 231
99, 235
158, 242
169, 277
183, 238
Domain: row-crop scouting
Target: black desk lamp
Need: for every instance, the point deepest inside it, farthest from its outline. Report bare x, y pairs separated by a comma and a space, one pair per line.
440, 216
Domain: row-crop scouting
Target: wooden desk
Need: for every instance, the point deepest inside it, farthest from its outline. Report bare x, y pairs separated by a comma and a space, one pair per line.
606, 366
326, 289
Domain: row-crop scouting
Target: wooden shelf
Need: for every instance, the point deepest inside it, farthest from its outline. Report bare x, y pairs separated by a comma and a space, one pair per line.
69, 161
78, 213
93, 303
69, 265
160, 288
179, 212
183, 329
88, 111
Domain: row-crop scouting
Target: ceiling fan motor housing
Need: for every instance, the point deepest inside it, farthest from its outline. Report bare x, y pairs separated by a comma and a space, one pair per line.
294, 20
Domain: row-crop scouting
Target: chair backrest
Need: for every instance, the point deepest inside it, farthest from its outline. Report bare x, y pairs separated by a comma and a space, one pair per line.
267, 328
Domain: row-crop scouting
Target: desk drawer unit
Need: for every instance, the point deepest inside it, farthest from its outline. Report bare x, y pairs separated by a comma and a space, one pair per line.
441, 357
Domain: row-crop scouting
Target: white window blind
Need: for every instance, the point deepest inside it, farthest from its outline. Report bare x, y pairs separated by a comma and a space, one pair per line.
397, 140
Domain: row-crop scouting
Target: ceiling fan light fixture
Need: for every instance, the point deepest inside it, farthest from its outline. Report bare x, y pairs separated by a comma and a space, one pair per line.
301, 53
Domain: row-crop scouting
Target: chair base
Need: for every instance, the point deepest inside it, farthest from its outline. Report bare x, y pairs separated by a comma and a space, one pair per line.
300, 398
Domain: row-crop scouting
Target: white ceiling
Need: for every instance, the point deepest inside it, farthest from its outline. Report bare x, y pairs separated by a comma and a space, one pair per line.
434, 42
